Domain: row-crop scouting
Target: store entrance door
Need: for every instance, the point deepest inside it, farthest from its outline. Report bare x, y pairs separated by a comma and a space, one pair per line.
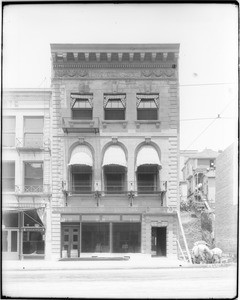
70, 241
159, 241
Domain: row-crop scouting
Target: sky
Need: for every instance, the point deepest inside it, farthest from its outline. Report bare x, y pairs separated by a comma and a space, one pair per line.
208, 60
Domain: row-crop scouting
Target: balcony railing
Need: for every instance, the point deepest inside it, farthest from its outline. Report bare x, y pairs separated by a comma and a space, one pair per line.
83, 126
80, 189
121, 188
32, 143
33, 189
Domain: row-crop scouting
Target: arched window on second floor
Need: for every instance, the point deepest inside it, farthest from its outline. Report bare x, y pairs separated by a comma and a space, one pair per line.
114, 170
80, 170
147, 170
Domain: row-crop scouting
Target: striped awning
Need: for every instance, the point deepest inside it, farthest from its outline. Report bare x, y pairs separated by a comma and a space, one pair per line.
114, 155
147, 155
81, 155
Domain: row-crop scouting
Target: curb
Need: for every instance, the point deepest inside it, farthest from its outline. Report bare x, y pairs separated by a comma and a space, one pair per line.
58, 268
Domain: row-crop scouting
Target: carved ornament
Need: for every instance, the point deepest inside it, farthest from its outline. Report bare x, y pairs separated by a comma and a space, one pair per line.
71, 73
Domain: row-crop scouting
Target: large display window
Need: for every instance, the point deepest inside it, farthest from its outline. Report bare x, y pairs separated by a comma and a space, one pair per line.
126, 237
95, 237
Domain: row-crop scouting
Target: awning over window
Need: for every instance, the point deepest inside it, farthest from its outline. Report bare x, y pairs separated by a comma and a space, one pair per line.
147, 155
81, 155
114, 155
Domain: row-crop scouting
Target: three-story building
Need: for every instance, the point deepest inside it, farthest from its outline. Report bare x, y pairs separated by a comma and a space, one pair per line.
26, 173
115, 146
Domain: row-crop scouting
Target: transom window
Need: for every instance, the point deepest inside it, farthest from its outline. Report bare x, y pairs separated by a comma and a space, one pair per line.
114, 107
33, 131
8, 176
81, 106
147, 106
9, 128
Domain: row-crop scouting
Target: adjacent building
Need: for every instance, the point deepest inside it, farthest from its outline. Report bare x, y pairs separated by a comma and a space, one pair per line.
226, 210
26, 176
199, 173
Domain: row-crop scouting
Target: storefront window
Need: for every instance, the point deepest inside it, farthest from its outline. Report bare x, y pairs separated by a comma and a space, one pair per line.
33, 242
126, 237
10, 219
95, 237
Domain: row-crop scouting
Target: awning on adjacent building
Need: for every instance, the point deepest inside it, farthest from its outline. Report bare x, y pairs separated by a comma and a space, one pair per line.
147, 155
114, 155
81, 155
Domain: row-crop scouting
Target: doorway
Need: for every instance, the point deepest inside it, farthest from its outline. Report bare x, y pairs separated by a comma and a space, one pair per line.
159, 241
70, 241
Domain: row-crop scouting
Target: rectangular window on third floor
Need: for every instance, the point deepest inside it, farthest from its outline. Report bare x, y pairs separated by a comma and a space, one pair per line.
33, 131
114, 107
82, 107
9, 128
33, 177
147, 107
8, 176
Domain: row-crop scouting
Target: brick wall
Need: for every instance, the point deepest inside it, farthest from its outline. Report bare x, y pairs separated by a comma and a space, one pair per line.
225, 209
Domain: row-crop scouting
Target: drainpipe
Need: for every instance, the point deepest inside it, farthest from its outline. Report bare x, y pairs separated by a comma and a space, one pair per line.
184, 238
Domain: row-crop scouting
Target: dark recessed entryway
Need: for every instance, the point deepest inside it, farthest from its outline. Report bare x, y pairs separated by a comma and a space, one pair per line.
159, 241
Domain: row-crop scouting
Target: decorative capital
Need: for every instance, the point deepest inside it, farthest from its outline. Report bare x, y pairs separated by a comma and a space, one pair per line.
154, 56
109, 56
131, 56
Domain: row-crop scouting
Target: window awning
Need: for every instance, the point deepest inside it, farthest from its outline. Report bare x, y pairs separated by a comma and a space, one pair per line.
81, 155
114, 155
147, 155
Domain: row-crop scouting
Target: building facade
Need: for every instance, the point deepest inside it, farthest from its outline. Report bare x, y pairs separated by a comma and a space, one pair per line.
115, 143
226, 210
26, 175
90, 166
199, 173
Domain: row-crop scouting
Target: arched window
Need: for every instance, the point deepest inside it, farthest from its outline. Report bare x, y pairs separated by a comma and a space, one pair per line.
80, 165
147, 170
114, 170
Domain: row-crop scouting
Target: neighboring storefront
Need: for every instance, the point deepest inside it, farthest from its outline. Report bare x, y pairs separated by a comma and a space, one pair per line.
23, 233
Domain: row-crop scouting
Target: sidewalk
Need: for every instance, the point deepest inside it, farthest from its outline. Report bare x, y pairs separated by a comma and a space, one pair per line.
150, 263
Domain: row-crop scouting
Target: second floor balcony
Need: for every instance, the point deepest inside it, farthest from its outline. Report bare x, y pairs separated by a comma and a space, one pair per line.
44, 189
71, 125
120, 188
31, 144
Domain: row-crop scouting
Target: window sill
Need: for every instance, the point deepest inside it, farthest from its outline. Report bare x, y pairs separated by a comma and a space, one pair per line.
108, 122
156, 122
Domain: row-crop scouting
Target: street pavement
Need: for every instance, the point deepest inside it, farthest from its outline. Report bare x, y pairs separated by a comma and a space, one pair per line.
161, 283
135, 278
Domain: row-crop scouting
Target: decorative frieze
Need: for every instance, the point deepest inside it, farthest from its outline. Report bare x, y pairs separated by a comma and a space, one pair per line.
165, 73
